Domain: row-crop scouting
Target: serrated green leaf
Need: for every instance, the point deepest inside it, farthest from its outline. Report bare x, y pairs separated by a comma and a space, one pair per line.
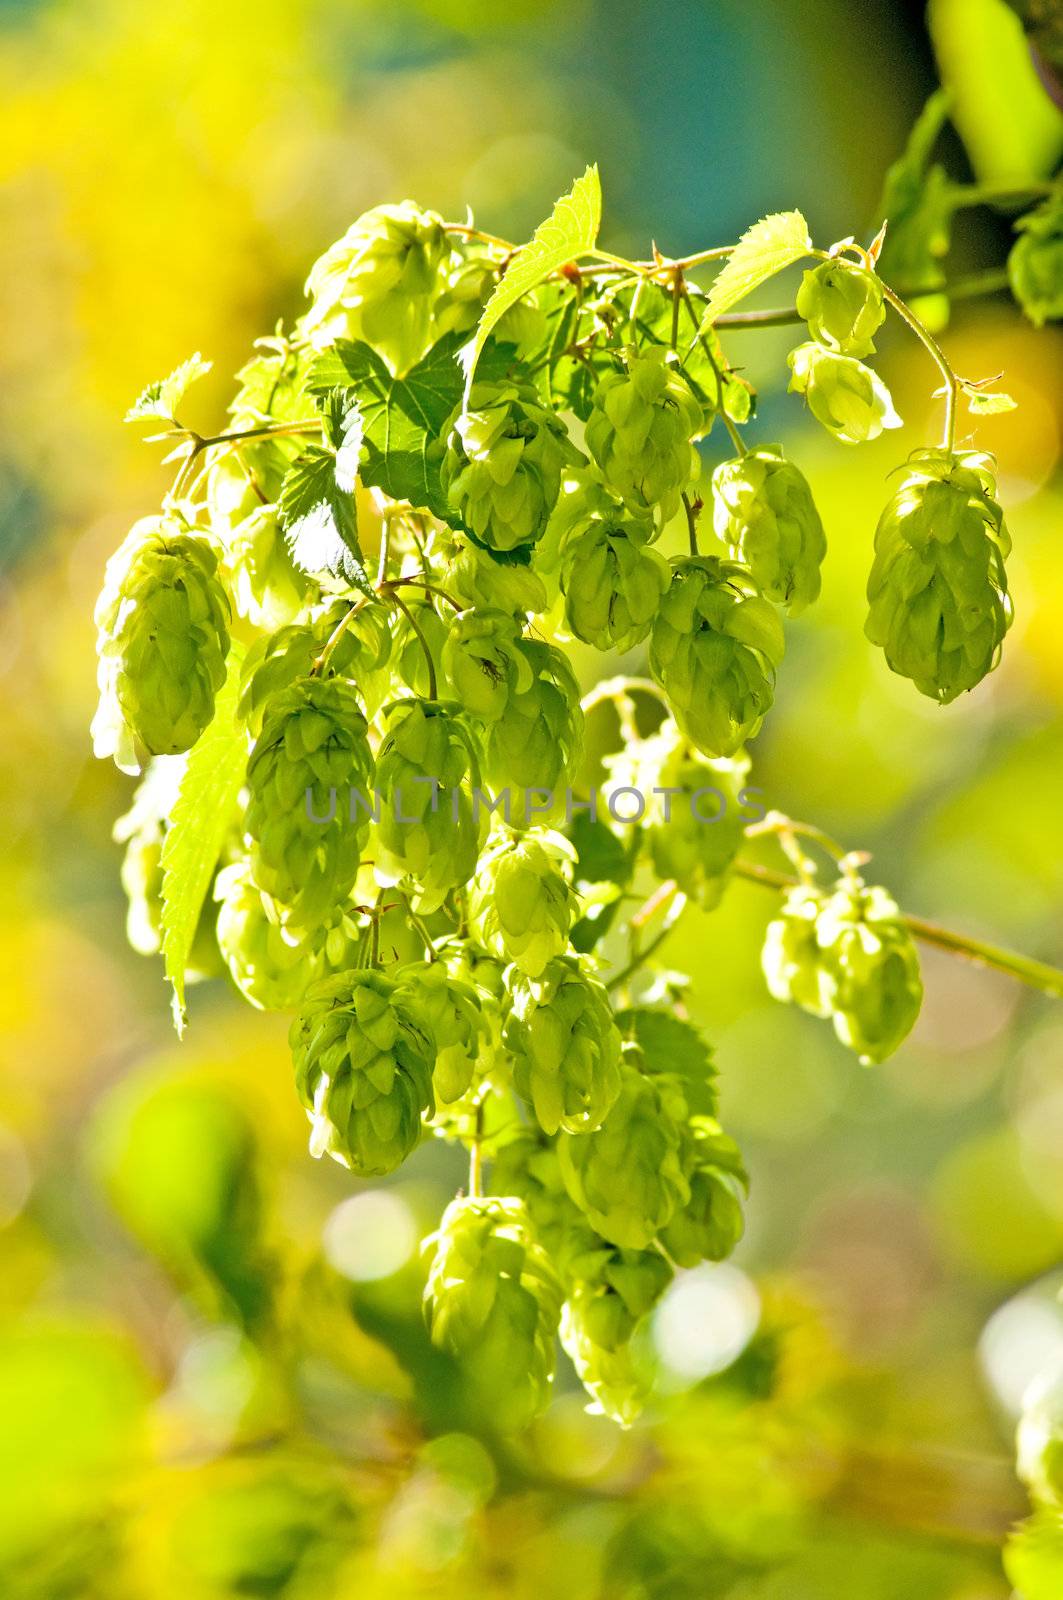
318, 516
570, 231
344, 430
202, 814
671, 1044
160, 400
980, 404
764, 249
403, 418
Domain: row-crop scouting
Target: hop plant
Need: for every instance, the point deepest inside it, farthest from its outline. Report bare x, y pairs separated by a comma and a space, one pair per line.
502, 470
764, 511
309, 777
363, 1070
479, 579
162, 643
380, 282
791, 959
538, 742
640, 432
449, 1010
361, 653
627, 1176
613, 1293
850, 400
612, 582
271, 967
617, 1386
267, 587
711, 1223
843, 304
565, 1045
714, 649
938, 591
699, 814
483, 662
1035, 265
873, 984
493, 1301
522, 905
427, 835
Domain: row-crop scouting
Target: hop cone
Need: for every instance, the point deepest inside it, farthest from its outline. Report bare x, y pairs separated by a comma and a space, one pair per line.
791, 956
426, 832
565, 1045
360, 654
538, 741
450, 1011
844, 306
611, 582
696, 820
363, 1070
480, 579
528, 1166
617, 1386
267, 586
305, 831
850, 400
379, 283
711, 1223
640, 431
162, 643
271, 389
470, 285
872, 968
503, 464
484, 663
1035, 264
613, 1291
938, 590
627, 1176
270, 967
714, 649
763, 509
522, 905
493, 1302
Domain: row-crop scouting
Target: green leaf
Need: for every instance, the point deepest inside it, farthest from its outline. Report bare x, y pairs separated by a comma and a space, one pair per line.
980, 404
764, 249
403, 418
202, 814
570, 231
317, 513
344, 430
161, 399
671, 1044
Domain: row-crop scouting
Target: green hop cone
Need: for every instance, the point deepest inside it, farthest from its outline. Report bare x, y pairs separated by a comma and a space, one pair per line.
627, 1176
493, 1302
380, 282
696, 820
522, 904
470, 284
1035, 264
938, 591
791, 958
711, 1223
483, 662
162, 643
565, 1045
360, 654
844, 306
714, 649
304, 821
612, 582
640, 432
850, 400
427, 834
449, 1009
363, 1070
527, 1165
270, 966
479, 579
872, 967
617, 1385
763, 509
267, 587
504, 460
613, 1289
538, 741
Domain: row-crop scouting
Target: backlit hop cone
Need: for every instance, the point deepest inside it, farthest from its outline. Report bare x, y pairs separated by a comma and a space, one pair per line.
872, 966
763, 509
363, 1070
493, 1302
522, 904
714, 649
640, 431
163, 639
565, 1045
938, 590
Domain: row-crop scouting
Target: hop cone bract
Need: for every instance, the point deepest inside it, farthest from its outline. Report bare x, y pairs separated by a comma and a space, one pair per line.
1035, 264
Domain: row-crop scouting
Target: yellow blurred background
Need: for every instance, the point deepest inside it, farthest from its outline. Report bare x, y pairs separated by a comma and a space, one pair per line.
842, 1396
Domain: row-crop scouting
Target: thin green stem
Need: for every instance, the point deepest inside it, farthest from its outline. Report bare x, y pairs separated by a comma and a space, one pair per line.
1035, 974
640, 957
951, 381
476, 1156
721, 411
692, 524
618, 688
418, 925
433, 688
336, 635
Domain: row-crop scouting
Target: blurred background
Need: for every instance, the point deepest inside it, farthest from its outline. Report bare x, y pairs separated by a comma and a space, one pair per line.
213, 1379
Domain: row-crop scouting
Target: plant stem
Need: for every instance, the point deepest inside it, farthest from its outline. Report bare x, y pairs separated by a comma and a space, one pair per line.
692, 524
952, 383
433, 688
476, 1156
335, 636
1036, 974
733, 433
619, 688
